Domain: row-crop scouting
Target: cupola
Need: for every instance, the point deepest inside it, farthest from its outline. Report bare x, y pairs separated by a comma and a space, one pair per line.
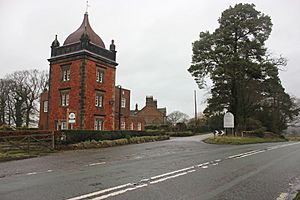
84, 30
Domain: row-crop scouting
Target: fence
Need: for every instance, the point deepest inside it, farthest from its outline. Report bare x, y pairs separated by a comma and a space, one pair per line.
27, 140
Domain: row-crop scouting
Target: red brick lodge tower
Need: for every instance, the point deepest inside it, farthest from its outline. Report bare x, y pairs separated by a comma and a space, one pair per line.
81, 83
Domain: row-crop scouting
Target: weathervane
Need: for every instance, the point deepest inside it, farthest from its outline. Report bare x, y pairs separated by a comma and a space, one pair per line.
87, 6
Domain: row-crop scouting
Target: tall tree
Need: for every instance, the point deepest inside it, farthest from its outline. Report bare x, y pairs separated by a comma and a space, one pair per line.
235, 58
23, 89
4, 91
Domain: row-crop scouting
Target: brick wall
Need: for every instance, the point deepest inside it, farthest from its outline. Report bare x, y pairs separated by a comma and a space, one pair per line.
43, 114
82, 88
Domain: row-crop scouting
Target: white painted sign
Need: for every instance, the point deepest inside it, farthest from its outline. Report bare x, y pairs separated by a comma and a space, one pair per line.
72, 118
228, 120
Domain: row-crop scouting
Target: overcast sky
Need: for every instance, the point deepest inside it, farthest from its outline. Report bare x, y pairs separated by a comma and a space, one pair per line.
153, 39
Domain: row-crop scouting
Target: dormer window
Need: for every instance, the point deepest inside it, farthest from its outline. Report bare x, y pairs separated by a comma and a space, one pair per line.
65, 73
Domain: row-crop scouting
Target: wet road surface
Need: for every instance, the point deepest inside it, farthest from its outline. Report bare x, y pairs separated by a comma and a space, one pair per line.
180, 168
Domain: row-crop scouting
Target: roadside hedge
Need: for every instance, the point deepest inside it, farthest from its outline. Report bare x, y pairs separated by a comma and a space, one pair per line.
181, 134
75, 136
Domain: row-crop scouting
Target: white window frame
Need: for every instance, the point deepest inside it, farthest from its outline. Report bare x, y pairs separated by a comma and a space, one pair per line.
139, 126
65, 97
45, 106
99, 100
64, 125
99, 75
65, 73
131, 126
123, 102
98, 124
123, 125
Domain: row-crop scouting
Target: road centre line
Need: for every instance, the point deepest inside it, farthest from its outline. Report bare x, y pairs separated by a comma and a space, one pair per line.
101, 192
98, 163
202, 164
169, 175
241, 154
250, 154
34, 173
119, 192
31, 173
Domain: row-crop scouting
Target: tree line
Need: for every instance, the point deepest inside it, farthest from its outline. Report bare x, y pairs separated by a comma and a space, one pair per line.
19, 99
244, 75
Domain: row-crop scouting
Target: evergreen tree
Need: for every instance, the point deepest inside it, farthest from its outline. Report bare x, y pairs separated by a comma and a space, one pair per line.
244, 77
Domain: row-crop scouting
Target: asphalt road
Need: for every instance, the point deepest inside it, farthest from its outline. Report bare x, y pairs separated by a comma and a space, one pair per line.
180, 168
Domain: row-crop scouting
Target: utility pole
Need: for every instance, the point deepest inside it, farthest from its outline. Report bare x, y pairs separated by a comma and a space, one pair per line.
195, 98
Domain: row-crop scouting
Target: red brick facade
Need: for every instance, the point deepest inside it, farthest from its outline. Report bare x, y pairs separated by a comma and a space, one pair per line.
151, 114
43, 110
82, 82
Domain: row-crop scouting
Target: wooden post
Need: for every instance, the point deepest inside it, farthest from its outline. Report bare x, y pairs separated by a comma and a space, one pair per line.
53, 141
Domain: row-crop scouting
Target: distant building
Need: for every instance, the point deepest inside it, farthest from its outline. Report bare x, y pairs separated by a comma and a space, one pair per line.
124, 120
82, 92
151, 114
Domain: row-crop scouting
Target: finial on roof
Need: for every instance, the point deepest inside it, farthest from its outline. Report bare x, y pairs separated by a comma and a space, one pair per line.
55, 43
112, 46
87, 6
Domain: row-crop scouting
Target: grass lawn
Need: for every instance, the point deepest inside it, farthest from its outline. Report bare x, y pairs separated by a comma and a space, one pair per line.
240, 140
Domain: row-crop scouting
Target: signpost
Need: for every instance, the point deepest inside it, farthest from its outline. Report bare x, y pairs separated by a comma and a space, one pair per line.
228, 121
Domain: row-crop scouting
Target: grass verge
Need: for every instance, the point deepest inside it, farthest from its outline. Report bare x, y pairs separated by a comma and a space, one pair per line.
241, 140
110, 143
293, 138
21, 154
297, 196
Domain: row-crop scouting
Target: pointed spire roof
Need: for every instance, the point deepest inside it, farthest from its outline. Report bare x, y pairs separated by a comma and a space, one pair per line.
85, 28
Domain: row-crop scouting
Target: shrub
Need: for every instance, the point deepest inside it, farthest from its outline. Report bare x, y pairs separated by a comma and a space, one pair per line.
181, 134
75, 136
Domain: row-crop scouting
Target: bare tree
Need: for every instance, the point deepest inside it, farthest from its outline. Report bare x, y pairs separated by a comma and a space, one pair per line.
23, 97
36, 82
177, 117
4, 91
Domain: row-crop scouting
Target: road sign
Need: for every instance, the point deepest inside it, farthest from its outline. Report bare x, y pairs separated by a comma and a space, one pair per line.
228, 120
72, 118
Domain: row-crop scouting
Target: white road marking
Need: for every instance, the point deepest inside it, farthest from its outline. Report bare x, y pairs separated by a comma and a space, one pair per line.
99, 163
119, 192
250, 154
169, 175
202, 164
34, 173
241, 154
100, 192
31, 173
